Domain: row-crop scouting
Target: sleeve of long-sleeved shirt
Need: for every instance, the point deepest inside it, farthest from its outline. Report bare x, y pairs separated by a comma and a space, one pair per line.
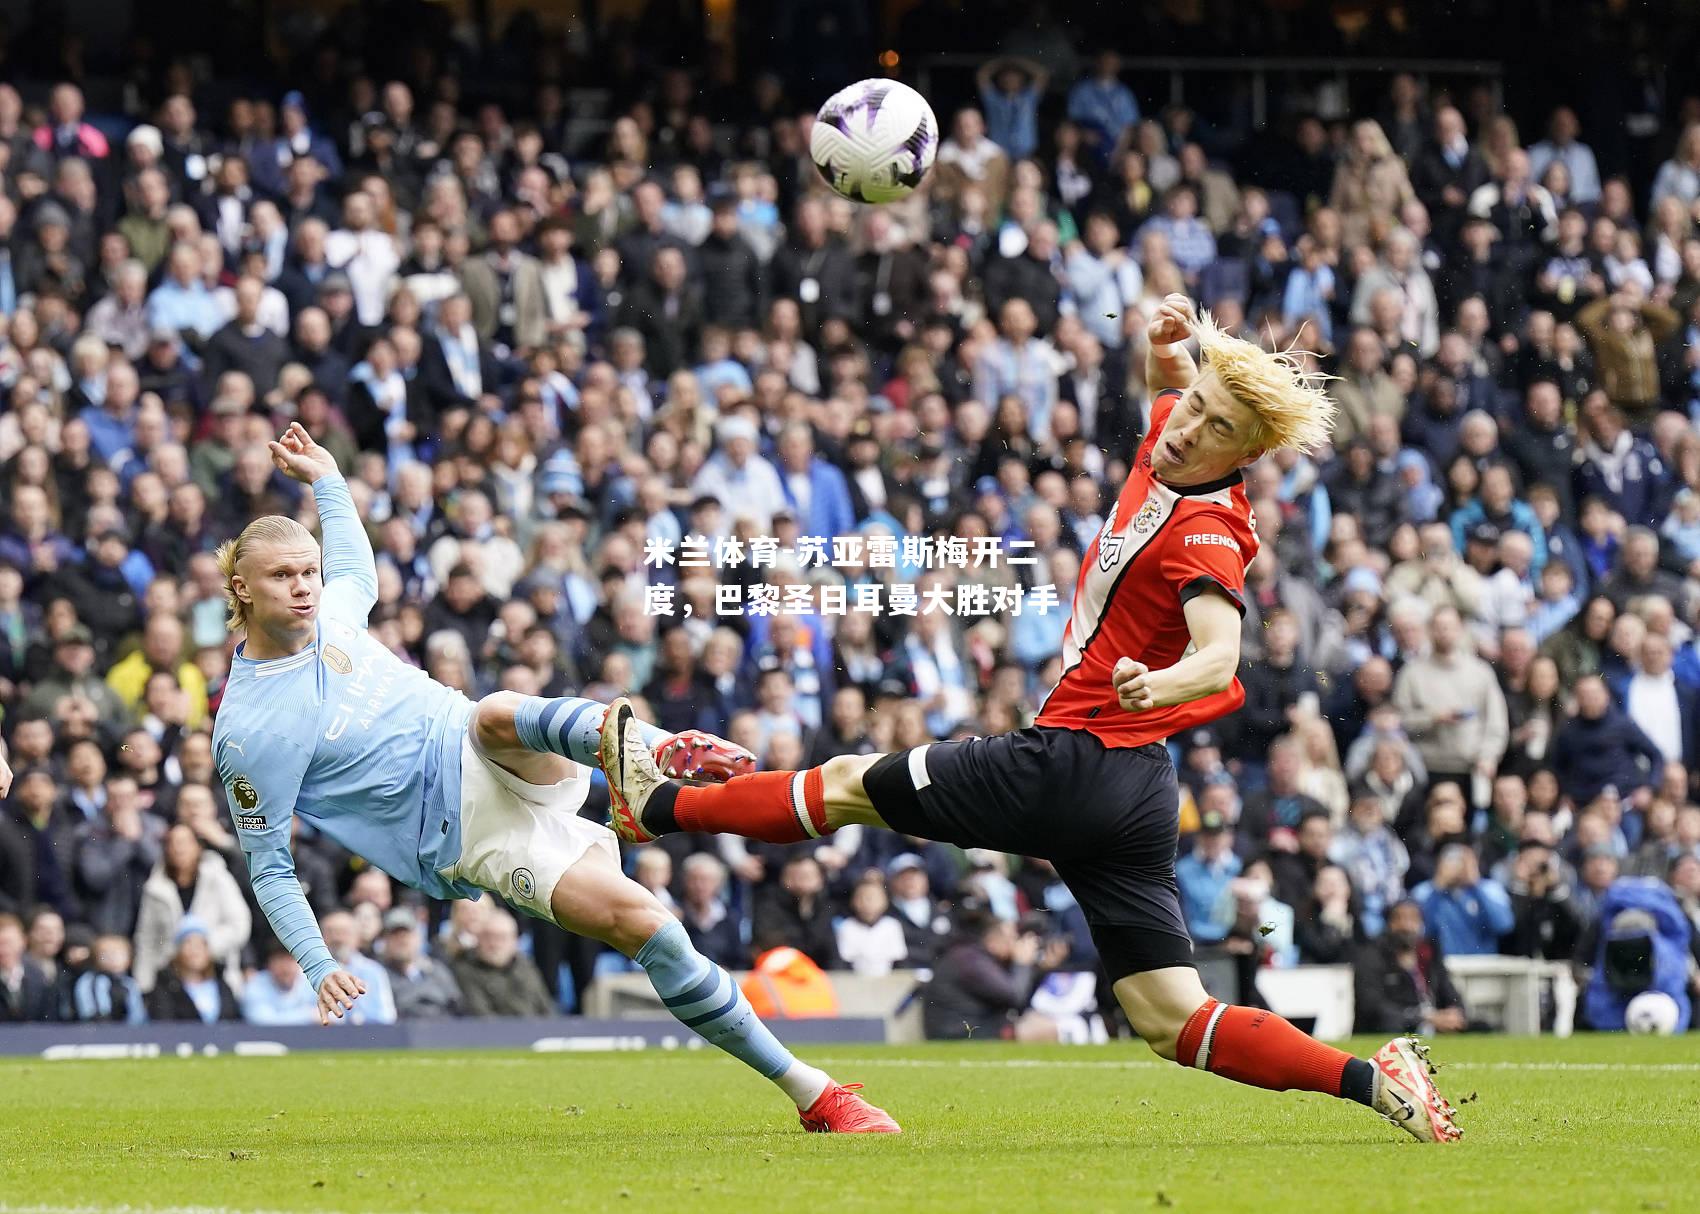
982, 977
1086, 274
262, 793
1496, 723
1497, 916
350, 572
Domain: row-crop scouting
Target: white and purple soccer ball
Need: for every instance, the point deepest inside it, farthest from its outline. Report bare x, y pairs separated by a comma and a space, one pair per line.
1652, 1013
874, 141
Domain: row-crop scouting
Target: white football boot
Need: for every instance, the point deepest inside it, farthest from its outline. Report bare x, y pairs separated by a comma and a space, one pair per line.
631, 770
1405, 1093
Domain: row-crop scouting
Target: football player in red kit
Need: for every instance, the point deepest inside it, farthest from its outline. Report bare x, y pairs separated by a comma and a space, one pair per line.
1151, 650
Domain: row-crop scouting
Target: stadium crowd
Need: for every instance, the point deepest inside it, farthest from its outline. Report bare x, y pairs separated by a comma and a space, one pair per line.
1473, 685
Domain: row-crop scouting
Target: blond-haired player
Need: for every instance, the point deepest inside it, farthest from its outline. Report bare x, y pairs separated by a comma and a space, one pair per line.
319, 721
1151, 649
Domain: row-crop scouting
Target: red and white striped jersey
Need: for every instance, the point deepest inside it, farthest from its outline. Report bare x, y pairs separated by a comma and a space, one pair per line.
1160, 548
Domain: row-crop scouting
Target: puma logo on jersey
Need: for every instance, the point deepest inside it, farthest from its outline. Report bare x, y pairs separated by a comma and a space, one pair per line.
1210, 539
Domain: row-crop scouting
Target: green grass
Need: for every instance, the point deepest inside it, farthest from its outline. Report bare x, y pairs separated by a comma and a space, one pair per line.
1585, 1124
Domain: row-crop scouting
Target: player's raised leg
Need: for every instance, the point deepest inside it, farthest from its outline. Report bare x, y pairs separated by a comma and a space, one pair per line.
596, 899
772, 806
1170, 1009
530, 735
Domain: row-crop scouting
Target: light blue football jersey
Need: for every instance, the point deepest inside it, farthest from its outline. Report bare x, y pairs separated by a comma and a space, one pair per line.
347, 736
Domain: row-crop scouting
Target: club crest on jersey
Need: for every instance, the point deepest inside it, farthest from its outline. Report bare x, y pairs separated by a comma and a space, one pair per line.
525, 885
337, 660
1150, 514
247, 796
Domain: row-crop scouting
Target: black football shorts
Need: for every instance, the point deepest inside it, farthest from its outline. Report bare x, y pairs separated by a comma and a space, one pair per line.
1107, 817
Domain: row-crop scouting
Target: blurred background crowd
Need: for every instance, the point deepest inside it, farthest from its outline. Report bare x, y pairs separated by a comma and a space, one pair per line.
556, 295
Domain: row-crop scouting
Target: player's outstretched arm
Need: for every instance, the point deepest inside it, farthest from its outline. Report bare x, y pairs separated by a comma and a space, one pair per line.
281, 899
347, 550
1167, 363
1214, 624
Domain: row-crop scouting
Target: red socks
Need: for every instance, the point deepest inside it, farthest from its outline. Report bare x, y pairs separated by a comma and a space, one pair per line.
1261, 1049
773, 806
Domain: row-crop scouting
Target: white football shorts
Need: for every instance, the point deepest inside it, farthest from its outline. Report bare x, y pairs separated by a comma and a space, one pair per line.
519, 839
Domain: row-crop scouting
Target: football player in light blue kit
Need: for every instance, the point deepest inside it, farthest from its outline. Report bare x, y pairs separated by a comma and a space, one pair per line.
321, 721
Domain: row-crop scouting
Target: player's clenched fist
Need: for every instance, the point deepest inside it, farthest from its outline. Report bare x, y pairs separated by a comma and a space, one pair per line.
1172, 322
337, 994
1129, 679
297, 456
696, 755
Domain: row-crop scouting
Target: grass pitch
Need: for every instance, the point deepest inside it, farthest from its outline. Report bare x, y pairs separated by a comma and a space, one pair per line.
1586, 1124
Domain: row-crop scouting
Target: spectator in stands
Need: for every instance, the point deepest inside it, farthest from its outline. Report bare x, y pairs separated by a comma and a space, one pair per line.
652, 868
106, 991
1373, 858
1563, 146
1546, 921
870, 939
1328, 931
1104, 109
713, 928
1364, 390
26, 993
1465, 912
1400, 275
424, 988
1600, 747
1401, 982
1452, 707
1447, 172
191, 987
983, 981
1666, 711
1010, 89
1270, 817
1638, 574
190, 882
922, 916
797, 914
115, 857
495, 978
1278, 687
343, 939
1294, 872
1371, 184
162, 649
279, 994
1678, 177
1203, 875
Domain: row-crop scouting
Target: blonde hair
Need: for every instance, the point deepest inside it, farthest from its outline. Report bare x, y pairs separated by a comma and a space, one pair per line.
1292, 408
267, 529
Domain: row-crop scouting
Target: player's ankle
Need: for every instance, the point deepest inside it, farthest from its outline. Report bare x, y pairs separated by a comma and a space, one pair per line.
657, 817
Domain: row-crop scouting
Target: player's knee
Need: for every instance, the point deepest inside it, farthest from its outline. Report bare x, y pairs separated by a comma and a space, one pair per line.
1158, 1030
631, 924
1157, 1020
493, 720
846, 799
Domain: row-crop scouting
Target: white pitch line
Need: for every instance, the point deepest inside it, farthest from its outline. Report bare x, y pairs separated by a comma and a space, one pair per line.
1134, 1064
131, 1209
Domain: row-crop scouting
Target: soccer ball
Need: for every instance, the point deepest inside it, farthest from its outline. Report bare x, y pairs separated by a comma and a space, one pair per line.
1652, 1013
874, 141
